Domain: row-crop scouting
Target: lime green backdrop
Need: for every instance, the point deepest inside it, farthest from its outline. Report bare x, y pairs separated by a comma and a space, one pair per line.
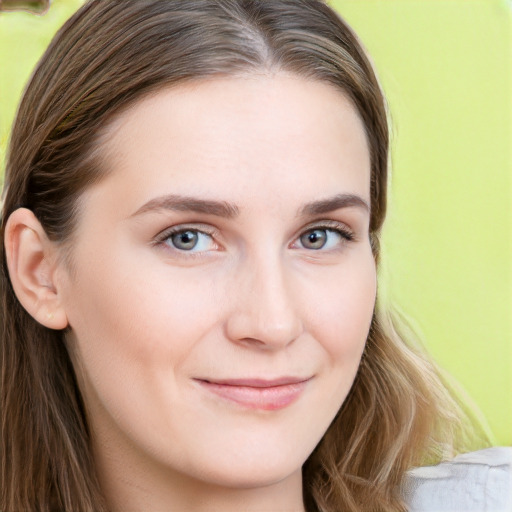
446, 67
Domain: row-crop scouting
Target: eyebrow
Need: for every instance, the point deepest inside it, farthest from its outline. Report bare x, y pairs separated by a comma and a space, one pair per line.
228, 210
334, 203
189, 204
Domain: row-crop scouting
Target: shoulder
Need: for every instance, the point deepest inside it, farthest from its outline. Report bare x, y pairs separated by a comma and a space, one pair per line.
479, 481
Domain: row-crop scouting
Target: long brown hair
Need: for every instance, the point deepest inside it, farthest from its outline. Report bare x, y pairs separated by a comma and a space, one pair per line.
107, 56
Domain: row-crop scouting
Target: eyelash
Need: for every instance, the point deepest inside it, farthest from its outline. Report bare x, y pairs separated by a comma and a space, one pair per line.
345, 233
174, 230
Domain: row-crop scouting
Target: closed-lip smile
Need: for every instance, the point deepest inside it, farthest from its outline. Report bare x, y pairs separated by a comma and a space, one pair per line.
257, 393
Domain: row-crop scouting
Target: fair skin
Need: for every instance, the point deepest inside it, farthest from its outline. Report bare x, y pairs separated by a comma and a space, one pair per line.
213, 358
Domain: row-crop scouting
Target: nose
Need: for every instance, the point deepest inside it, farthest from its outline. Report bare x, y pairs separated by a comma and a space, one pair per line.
264, 312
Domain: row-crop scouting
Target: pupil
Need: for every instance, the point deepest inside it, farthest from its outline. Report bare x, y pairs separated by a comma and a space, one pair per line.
185, 240
314, 239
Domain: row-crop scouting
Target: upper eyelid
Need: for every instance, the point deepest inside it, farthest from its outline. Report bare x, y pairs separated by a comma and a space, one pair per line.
326, 224
208, 229
200, 228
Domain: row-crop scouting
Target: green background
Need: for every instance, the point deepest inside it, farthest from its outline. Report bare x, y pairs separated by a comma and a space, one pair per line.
446, 68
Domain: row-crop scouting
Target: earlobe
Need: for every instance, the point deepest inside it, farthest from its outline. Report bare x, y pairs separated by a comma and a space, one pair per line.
32, 262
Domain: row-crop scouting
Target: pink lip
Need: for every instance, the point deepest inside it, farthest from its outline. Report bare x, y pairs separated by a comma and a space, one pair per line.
268, 395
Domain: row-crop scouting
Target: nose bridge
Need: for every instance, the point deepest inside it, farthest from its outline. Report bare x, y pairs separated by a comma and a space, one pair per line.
265, 309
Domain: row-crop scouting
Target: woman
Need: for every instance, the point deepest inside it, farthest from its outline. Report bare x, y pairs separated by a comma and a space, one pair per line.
192, 207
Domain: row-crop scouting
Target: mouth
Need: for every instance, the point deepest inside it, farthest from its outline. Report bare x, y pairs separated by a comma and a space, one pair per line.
263, 394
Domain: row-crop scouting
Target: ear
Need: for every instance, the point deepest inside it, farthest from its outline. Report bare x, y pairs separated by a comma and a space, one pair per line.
32, 263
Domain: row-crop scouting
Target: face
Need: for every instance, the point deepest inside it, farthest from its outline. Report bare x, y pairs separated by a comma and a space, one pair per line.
223, 282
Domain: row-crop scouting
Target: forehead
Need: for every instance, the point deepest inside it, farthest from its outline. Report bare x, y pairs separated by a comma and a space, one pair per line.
238, 136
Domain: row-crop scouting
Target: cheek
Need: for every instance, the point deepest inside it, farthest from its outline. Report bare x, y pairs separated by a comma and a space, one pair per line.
341, 309
148, 317
135, 338
135, 326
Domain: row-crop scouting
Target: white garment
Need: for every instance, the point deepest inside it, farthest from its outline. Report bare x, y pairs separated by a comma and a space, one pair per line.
473, 482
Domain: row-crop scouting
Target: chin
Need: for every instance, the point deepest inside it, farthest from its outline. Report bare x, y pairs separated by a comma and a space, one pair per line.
254, 466
263, 473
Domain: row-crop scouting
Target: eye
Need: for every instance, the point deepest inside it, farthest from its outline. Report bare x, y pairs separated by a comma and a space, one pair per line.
324, 238
188, 240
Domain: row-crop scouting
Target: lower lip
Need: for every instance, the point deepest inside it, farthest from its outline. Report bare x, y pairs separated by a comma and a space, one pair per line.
264, 398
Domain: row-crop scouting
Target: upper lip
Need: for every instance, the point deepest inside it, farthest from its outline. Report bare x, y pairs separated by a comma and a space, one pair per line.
257, 382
